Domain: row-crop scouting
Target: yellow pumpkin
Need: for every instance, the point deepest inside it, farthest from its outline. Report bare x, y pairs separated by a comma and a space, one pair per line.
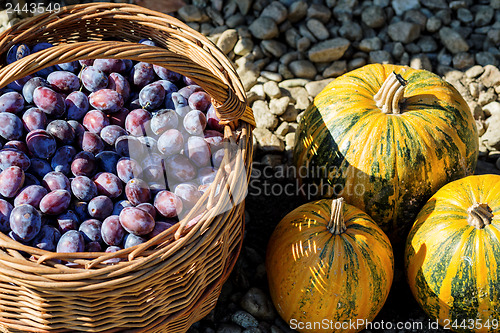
328, 264
453, 252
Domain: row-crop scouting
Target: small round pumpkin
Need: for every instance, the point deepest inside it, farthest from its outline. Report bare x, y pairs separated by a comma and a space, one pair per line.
452, 255
386, 138
327, 260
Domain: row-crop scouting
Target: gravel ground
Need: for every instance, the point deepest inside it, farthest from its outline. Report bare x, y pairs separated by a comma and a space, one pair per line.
285, 52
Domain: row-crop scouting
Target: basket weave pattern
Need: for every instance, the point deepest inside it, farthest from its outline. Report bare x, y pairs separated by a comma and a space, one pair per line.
174, 279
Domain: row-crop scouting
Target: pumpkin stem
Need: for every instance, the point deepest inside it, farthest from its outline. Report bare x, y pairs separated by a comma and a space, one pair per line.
390, 94
479, 215
337, 223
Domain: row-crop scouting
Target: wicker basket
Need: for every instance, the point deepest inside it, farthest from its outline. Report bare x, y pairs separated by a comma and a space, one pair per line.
173, 280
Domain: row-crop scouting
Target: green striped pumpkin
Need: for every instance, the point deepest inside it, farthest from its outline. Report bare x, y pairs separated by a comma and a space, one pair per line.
386, 142
452, 255
327, 260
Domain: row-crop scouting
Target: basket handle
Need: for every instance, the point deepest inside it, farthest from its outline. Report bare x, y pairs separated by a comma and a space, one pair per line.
230, 105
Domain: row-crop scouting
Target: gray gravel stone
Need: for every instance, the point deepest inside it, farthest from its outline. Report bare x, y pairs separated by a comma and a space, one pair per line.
290, 141
486, 58
282, 130
434, 4
351, 30
277, 11
273, 76
303, 44
243, 46
303, 69
290, 114
464, 15
337, 68
263, 116
427, 44
356, 63
433, 24
404, 32
317, 29
380, 57
373, 16
491, 76
421, 61
227, 40
315, 87
264, 28
297, 11
228, 328
272, 90
484, 15
370, 44
319, 12
453, 41
268, 141
278, 106
329, 50
486, 97
244, 6
400, 6
274, 47
300, 96
190, 13
491, 137
258, 304
463, 60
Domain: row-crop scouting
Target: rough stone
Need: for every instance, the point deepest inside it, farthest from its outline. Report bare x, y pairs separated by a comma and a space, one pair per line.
243, 46
275, 48
303, 44
268, 141
297, 11
486, 97
278, 106
486, 58
277, 11
317, 29
319, 12
380, 57
258, 304
303, 69
244, 6
282, 130
453, 41
421, 61
351, 30
264, 28
433, 24
463, 60
464, 15
228, 328
373, 16
289, 141
401, 6
315, 87
337, 68
227, 40
484, 15
490, 77
290, 114
190, 13
370, 44
300, 96
329, 50
491, 137
492, 109
404, 32
263, 116
272, 90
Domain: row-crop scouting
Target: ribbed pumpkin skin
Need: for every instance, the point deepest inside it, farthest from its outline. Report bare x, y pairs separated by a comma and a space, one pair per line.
315, 275
387, 165
452, 267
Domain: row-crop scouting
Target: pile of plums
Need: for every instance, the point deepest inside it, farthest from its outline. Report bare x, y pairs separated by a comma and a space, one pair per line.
102, 154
